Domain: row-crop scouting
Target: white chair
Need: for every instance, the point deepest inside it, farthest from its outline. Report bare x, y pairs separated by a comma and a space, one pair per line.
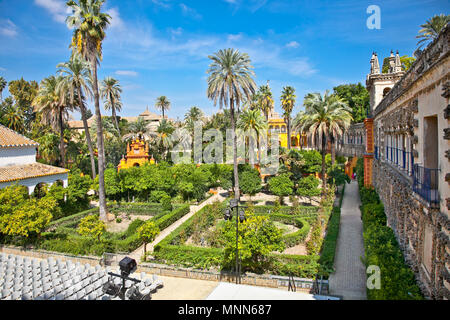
92, 296
26, 296
4, 293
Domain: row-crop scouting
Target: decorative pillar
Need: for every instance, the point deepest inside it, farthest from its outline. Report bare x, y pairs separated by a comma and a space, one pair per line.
368, 155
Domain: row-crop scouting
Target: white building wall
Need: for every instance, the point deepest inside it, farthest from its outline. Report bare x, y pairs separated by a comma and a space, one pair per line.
433, 104
33, 182
17, 156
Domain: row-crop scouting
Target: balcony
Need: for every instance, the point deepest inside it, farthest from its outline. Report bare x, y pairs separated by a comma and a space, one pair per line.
426, 184
400, 158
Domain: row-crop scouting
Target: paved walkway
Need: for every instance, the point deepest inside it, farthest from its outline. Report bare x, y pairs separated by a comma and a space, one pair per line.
139, 252
349, 280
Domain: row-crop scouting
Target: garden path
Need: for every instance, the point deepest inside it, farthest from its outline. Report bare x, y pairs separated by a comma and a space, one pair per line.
349, 279
139, 252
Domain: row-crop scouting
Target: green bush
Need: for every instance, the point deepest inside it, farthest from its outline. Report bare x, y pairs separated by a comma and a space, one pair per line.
373, 214
328, 251
382, 250
173, 216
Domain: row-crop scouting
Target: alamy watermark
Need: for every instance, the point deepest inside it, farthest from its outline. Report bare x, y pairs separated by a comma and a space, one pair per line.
374, 20
252, 148
374, 280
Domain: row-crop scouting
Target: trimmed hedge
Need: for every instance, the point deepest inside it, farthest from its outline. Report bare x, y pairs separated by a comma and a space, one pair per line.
328, 251
174, 215
170, 251
286, 210
69, 220
382, 250
65, 239
141, 208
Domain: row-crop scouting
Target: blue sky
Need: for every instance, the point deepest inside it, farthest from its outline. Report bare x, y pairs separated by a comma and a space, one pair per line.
161, 47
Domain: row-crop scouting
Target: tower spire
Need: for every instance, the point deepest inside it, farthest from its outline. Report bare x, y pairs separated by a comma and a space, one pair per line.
398, 63
374, 64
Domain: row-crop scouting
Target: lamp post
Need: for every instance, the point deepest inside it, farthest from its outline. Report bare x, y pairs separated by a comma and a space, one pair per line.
234, 203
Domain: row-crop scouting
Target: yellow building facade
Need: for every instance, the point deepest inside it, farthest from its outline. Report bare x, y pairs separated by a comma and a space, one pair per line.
137, 155
278, 125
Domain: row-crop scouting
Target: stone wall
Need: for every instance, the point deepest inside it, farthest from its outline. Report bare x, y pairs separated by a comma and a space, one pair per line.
408, 215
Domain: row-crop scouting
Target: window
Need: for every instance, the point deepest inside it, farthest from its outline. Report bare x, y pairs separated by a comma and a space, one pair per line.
386, 91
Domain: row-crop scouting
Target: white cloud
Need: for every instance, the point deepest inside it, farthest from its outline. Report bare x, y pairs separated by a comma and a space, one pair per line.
116, 21
234, 37
162, 3
293, 44
176, 32
2, 69
138, 45
57, 8
126, 73
190, 12
8, 28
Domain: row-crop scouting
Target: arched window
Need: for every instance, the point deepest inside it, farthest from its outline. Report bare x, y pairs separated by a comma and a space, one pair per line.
386, 91
283, 129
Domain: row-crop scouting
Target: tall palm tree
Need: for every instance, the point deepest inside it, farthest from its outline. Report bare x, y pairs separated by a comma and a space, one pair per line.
89, 25
194, 114
265, 100
14, 119
287, 103
163, 104
324, 117
253, 120
163, 139
3, 84
76, 80
431, 29
54, 107
139, 129
230, 82
110, 90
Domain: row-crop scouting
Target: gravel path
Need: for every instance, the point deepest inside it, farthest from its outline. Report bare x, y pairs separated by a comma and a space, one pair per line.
349, 280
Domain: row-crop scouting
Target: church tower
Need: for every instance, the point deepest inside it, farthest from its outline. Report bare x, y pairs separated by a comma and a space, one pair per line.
379, 84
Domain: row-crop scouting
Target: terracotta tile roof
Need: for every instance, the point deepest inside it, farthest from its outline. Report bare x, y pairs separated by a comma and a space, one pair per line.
27, 171
10, 138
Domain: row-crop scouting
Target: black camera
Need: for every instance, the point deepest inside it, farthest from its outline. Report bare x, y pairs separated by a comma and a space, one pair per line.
127, 266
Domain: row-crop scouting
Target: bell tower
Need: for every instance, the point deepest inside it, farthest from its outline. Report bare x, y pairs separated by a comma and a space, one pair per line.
379, 84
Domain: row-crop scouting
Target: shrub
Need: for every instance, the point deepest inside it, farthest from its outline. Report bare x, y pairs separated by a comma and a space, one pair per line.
281, 186
91, 226
328, 251
373, 214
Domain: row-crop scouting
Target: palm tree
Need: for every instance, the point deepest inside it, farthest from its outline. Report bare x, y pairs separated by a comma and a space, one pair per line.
110, 90
163, 104
48, 149
287, 103
89, 25
194, 114
138, 129
76, 80
325, 118
431, 29
253, 120
265, 100
54, 107
3, 84
14, 119
163, 139
230, 82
